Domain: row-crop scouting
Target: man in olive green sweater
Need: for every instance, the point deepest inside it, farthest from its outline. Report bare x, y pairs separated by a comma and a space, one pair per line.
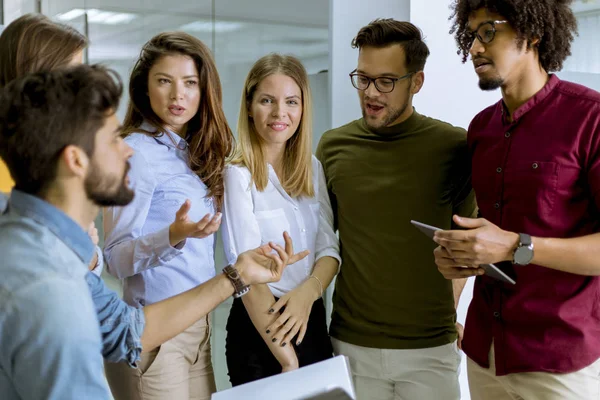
394, 315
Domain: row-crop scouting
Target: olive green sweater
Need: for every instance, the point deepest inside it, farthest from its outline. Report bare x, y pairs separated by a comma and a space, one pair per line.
389, 293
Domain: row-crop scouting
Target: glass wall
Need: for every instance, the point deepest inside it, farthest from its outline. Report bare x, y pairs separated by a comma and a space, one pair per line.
238, 32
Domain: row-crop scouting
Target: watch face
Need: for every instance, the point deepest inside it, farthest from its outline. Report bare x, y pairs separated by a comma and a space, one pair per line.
523, 255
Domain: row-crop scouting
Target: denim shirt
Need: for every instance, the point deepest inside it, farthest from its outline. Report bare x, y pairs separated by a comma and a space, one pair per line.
137, 247
50, 342
121, 326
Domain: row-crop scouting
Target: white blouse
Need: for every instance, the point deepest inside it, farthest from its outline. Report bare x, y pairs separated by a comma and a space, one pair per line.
252, 218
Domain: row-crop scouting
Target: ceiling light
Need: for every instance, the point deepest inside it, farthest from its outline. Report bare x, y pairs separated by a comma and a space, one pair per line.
207, 26
96, 16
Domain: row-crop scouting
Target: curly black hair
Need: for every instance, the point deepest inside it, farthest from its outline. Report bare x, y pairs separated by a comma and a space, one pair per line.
552, 21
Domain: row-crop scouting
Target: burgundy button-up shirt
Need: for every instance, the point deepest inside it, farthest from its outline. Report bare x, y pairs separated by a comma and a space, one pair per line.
539, 174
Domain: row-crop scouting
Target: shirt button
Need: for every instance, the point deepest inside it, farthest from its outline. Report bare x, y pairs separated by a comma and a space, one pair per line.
507, 135
498, 170
496, 205
496, 314
303, 230
535, 165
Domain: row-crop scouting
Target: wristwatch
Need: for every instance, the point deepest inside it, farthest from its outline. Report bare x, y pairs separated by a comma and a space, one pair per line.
524, 252
239, 287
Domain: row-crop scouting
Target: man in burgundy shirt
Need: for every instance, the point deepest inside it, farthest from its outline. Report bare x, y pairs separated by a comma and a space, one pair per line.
536, 175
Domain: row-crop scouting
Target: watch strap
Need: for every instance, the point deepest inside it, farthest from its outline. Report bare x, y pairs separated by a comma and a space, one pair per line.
239, 287
524, 240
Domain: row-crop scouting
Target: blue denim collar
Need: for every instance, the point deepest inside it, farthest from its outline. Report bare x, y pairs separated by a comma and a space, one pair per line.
56, 221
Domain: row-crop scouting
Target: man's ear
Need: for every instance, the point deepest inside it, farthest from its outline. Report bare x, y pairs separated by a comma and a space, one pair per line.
418, 80
75, 161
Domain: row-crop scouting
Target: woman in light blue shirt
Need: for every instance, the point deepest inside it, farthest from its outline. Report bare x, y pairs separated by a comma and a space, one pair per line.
158, 244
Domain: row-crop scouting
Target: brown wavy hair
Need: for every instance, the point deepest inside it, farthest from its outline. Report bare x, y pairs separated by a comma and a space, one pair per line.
384, 32
297, 162
550, 21
209, 137
34, 43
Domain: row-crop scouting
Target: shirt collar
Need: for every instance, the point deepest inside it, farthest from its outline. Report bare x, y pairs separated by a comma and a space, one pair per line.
540, 96
56, 221
169, 138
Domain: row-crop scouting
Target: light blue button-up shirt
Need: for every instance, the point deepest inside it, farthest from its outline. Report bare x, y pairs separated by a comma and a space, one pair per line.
137, 247
50, 342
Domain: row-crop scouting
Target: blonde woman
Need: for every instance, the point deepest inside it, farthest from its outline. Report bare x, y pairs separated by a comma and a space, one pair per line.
275, 185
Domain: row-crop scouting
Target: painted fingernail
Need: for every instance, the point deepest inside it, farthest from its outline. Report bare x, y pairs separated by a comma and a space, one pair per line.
283, 344
298, 343
271, 311
268, 331
274, 340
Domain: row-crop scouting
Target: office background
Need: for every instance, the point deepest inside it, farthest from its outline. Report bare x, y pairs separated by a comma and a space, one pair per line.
319, 33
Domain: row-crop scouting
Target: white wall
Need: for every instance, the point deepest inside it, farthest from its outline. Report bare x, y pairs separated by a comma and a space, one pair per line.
450, 92
346, 17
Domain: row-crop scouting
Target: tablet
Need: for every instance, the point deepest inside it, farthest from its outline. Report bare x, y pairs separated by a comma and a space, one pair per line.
490, 269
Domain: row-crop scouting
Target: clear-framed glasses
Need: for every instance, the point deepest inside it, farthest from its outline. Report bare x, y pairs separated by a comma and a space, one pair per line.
383, 84
485, 32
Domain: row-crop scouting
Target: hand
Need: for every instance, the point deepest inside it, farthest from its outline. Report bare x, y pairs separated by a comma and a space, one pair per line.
481, 243
93, 233
294, 319
261, 265
450, 269
183, 228
461, 333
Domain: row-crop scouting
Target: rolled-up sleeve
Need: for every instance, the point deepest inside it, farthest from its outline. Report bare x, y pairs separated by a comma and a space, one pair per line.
127, 250
121, 325
327, 244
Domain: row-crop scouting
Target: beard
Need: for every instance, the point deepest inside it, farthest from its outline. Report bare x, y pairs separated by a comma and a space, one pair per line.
102, 191
492, 83
393, 113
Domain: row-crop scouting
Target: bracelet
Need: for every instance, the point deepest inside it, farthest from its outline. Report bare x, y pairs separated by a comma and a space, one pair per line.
320, 284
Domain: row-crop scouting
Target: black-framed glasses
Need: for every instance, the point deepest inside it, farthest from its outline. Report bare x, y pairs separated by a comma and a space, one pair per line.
485, 32
383, 84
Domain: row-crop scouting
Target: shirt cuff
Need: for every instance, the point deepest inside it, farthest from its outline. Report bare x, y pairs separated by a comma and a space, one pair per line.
162, 246
99, 262
330, 253
134, 339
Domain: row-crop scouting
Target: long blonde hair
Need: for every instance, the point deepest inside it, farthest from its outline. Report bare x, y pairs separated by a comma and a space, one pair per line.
296, 176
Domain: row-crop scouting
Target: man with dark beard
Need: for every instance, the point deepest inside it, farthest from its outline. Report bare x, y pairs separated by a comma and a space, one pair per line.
392, 316
536, 172
60, 139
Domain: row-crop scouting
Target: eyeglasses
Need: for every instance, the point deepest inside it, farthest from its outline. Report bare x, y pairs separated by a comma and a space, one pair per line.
383, 84
485, 32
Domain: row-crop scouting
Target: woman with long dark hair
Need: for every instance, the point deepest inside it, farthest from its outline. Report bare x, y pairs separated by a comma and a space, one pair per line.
162, 244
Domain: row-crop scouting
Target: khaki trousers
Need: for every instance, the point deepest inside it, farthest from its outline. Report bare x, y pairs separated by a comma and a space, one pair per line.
388, 374
580, 385
180, 369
